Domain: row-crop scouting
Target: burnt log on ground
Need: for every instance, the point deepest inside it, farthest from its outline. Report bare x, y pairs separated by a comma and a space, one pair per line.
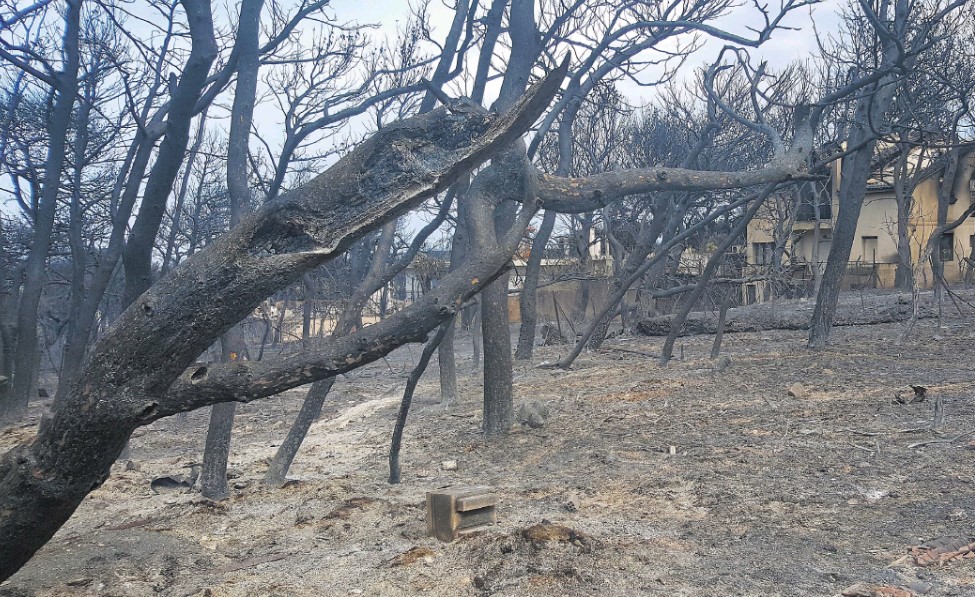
128, 379
853, 309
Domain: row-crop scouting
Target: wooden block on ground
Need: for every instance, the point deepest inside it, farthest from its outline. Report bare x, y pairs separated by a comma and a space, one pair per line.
454, 509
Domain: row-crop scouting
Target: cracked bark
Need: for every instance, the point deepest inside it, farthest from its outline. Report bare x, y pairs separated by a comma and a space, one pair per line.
125, 382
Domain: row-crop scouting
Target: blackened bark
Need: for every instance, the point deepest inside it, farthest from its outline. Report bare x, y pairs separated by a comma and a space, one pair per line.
446, 354
79, 257
311, 409
722, 319
137, 256
58, 124
447, 361
510, 172
77, 345
528, 302
498, 399
870, 118
128, 379
404, 407
712, 266
486, 218
216, 452
904, 195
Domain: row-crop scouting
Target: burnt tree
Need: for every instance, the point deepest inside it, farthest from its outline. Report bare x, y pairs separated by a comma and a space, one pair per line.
128, 379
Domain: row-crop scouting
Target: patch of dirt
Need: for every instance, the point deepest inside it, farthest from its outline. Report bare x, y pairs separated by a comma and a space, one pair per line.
644, 480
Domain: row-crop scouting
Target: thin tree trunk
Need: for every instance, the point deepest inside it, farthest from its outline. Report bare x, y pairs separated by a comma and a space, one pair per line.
311, 409
529, 292
498, 399
216, 453
869, 117
137, 256
904, 274
495, 328
712, 266
79, 258
447, 360
34, 273
404, 408
722, 318
446, 353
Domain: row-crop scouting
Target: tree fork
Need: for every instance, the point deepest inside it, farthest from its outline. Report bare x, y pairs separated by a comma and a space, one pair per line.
125, 381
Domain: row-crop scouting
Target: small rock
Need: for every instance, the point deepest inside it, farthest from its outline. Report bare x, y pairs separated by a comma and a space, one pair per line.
449, 465
797, 390
919, 586
241, 485
533, 413
83, 581
875, 495
131, 465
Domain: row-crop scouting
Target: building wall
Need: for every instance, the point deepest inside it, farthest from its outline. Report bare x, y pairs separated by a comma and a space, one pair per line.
875, 247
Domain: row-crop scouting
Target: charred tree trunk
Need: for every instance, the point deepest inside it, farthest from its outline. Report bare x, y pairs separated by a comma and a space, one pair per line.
709, 270
311, 408
488, 217
42, 483
529, 293
903, 194
722, 319
869, 119
59, 123
216, 453
137, 256
404, 407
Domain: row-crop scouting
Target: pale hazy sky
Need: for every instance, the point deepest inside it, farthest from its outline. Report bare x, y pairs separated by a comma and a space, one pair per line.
783, 48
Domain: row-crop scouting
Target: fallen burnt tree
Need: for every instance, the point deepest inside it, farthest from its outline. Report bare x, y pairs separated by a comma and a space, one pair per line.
796, 315
128, 379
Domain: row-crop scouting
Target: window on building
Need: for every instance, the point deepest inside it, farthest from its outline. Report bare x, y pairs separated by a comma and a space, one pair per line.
947, 246
763, 253
870, 249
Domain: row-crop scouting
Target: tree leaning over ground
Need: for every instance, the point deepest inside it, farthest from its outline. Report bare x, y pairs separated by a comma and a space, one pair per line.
137, 372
